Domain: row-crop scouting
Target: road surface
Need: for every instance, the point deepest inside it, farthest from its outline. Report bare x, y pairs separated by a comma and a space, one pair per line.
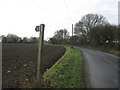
0, 65
101, 69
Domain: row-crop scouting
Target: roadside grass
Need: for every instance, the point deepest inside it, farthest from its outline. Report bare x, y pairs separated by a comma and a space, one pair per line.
112, 51
67, 72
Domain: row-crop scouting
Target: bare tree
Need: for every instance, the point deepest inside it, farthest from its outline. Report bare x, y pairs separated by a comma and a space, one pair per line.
25, 40
33, 40
3, 38
87, 22
12, 38
60, 36
79, 29
93, 20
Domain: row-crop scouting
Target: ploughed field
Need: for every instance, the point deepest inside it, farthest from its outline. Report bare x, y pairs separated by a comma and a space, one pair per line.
19, 63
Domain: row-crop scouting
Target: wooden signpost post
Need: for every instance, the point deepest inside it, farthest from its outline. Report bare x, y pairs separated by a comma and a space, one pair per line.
40, 44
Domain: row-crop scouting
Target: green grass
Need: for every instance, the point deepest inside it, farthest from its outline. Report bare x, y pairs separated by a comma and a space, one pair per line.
112, 51
67, 72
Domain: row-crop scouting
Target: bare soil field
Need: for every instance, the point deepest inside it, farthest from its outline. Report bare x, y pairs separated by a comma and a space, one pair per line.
19, 63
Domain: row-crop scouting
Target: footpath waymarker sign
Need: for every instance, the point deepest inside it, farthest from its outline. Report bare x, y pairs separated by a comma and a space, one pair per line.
40, 29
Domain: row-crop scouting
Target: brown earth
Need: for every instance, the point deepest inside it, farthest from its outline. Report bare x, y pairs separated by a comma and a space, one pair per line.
19, 63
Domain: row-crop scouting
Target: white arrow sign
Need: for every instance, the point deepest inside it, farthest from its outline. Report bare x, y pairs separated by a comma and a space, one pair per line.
37, 28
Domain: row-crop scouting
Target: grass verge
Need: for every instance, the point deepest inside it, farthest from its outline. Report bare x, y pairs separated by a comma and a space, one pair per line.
67, 72
112, 51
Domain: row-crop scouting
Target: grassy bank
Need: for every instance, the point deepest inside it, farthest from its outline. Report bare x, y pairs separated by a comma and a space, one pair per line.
112, 51
67, 72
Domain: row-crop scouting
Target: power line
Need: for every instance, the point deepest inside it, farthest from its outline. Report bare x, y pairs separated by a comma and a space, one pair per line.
66, 5
67, 8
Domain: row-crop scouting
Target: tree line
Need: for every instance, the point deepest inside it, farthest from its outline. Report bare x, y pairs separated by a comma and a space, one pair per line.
60, 37
92, 30
12, 38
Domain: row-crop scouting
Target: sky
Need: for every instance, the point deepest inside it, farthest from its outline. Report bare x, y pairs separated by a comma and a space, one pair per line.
20, 17
119, 13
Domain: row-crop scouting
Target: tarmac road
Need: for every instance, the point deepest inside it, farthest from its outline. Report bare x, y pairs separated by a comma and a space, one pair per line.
101, 69
0, 65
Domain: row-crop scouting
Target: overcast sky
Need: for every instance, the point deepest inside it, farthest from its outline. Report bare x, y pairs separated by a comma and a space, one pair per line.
20, 17
119, 13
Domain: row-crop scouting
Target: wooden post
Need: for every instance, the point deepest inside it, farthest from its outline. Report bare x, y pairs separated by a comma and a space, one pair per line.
72, 30
72, 36
39, 62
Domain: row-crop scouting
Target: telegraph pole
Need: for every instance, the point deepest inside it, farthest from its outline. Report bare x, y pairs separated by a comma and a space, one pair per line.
72, 30
39, 59
72, 37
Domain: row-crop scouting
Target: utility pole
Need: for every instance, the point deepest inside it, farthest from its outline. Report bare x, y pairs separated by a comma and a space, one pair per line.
72, 37
39, 59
